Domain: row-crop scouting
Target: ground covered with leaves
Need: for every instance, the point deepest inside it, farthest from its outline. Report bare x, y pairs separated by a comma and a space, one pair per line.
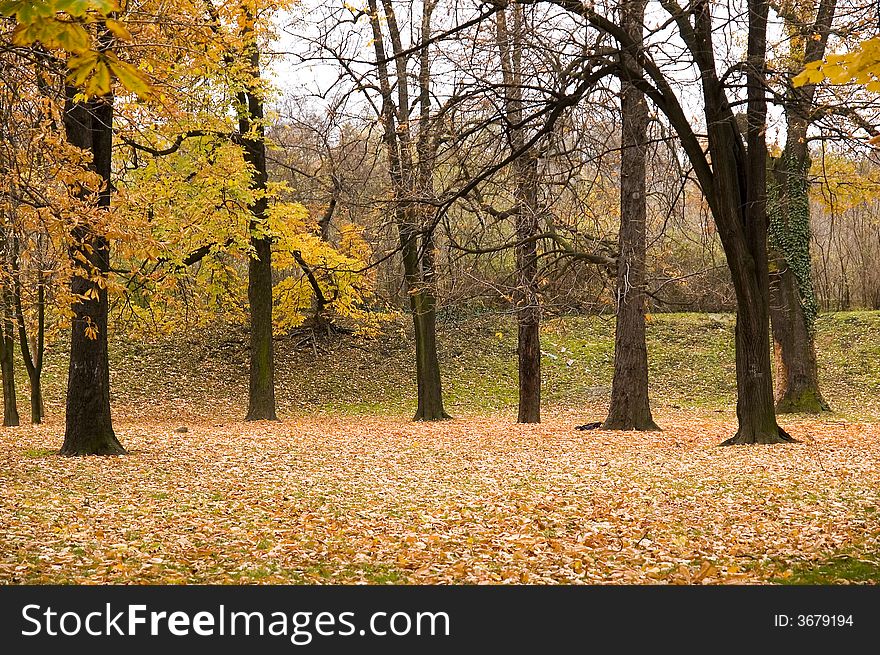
350, 499
346, 489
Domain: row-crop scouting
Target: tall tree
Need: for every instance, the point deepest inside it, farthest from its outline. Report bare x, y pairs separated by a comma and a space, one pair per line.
410, 167
251, 114
31, 352
630, 408
7, 344
732, 174
83, 34
525, 180
793, 305
89, 427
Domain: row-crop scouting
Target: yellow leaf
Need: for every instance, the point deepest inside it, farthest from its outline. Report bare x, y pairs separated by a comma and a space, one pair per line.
118, 29
131, 78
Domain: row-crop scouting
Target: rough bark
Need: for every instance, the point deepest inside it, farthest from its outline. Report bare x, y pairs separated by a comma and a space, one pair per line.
31, 354
797, 374
792, 300
732, 176
630, 408
747, 256
261, 391
430, 388
89, 428
527, 305
411, 178
7, 363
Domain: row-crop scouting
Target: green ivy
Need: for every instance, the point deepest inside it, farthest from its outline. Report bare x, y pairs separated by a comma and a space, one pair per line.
788, 208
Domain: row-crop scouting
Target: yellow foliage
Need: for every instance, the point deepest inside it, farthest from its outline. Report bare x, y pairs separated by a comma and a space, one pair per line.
861, 66
340, 272
63, 25
844, 183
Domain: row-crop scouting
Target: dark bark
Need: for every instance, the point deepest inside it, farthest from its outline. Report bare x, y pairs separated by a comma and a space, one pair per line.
326, 219
747, 257
793, 304
31, 355
261, 395
7, 364
89, 428
430, 388
411, 180
630, 408
528, 350
797, 375
319, 318
527, 304
732, 176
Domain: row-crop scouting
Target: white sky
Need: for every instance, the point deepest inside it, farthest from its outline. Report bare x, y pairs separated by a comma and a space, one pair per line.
312, 78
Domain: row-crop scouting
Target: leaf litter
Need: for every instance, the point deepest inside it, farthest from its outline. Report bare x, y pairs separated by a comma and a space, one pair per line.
353, 499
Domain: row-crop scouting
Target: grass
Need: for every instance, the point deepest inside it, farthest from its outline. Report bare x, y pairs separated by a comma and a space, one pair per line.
842, 569
691, 359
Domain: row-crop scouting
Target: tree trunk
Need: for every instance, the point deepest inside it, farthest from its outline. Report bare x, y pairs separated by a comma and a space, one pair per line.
793, 305
261, 405
529, 355
89, 428
261, 396
797, 375
7, 364
7, 332
37, 411
754, 403
33, 361
527, 306
630, 408
430, 389
747, 251
410, 181
423, 305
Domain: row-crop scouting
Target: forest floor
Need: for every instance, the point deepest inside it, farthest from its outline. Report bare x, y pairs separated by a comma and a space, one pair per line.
346, 489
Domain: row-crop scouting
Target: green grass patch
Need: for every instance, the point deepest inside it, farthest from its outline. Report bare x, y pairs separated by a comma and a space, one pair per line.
843, 569
39, 453
691, 362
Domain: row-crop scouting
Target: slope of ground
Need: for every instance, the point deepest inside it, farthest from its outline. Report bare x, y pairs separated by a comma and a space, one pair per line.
691, 360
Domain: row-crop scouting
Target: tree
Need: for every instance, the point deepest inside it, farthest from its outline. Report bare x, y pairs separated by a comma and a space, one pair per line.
793, 306
525, 179
410, 167
31, 351
261, 395
630, 408
732, 176
84, 35
37, 192
89, 427
7, 343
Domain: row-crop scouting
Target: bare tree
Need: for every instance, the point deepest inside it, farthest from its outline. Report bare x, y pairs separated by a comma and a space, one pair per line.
630, 408
732, 176
525, 177
410, 152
